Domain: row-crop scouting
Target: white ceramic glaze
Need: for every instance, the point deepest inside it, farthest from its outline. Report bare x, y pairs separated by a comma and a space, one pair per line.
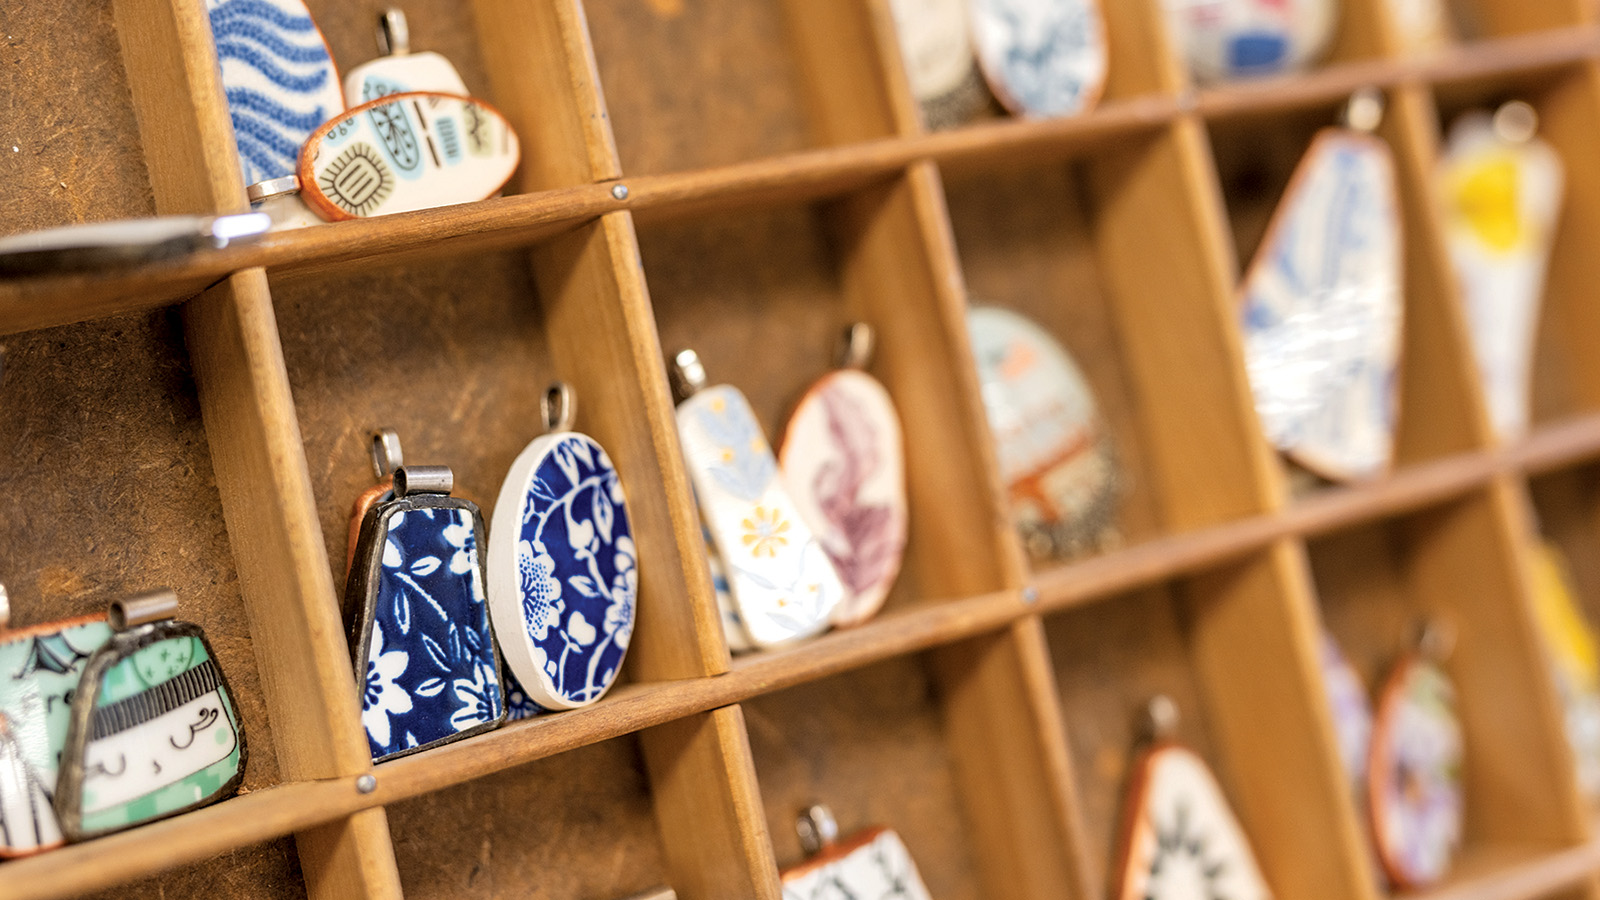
425, 71
1225, 40
1421, 25
872, 866
1042, 58
1352, 712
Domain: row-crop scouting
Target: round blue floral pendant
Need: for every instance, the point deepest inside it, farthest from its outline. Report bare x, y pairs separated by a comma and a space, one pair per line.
563, 573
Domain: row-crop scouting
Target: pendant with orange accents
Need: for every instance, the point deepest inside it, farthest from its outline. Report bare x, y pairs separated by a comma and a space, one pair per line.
872, 864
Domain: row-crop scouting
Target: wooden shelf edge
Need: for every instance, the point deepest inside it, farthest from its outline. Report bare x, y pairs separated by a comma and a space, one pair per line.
1527, 875
1557, 445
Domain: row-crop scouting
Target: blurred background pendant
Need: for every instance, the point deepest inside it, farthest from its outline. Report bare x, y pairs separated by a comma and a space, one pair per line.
1352, 713
424, 652
1321, 305
779, 577
1501, 191
1179, 836
843, 460
40, 668
1225, 40
936, 44
154, 730
1042, 58
873, 864
1571, 644
1056, 455
732, 624
563, 569
1421, 25
406, 152
1415, 798
399, 70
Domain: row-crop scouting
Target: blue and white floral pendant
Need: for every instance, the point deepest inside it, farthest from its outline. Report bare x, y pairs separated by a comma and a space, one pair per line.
1225, 40
1042, 58
1321, 310
872, 864
563, 570
424, 648
781, 582
399, 70
154, 728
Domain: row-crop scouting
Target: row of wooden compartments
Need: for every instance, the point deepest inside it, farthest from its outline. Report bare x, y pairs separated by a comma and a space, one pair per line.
201, 425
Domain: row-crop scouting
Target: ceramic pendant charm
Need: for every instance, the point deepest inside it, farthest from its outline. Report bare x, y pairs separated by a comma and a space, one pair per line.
1501, 190
871, 865
1421, 25
1042, 58
779, 576
843, 461
1180, 838
563, 570
1321, 306
123, 243
1056, 454
1572, 646
936, 44
732, 624
40, 669
407, 152
1352, 713
1225, 40
154, 729
1414, 790
398, 70
279, 79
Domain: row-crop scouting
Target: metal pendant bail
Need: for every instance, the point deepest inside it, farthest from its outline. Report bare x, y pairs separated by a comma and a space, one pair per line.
1364, 110
386, 453
410, 480
394, 34
559, 406
142, 609
817, 828
688, 374
1161, 718
1436, 639
857, 346
1516, 122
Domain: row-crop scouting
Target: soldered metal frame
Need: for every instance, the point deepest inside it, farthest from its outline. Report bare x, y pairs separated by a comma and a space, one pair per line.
69, 784
362, 588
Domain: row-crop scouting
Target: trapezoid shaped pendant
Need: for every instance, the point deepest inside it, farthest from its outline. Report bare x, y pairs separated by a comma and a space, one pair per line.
1414, 795
872, 864
1321, 310
1042, 58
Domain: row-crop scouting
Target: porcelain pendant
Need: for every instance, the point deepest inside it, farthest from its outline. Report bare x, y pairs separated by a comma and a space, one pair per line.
1225, 40
1414, 789
563, 571
1056, 456
279, 79
732, 625
1501, 202
1421, 25
154, 732
779, 576
412, 72
1042, 58
1352, 713
39, 672
407, 152
1575, 656
874, 865
1179, 836
1321, 310
843, 461
936, 44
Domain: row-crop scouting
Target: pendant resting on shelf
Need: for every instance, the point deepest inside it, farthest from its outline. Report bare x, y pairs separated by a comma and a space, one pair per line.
871, 865
1042, 58
779, 577
936, 44
843, 461
1226, 40
1056, 456
154, 730
1321, 305
424, 651
563, 568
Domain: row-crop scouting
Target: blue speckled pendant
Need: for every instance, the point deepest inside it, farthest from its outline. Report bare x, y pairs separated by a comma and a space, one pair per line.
563, 572
424, 650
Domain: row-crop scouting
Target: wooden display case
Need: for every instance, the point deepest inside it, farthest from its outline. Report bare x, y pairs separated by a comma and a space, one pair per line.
748, 176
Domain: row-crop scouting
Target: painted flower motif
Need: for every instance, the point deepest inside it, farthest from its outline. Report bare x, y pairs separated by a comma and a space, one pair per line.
541, 592
480, 700
624, 589
460, 536
764, 532
383, 697
580, 631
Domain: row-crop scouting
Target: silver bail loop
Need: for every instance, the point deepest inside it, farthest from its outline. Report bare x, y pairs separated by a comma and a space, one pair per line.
559, 406
1516, 122
857, 346
688, 374
1161, 718
817, 829
410, 480
142, 609
386, 453
394, 34
1436, 639
1364, 110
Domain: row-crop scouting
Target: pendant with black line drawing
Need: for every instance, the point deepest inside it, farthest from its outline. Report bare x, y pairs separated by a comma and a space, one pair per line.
1056, 455
1415, 801
1041, 58
406, 152
1179, 836
779, 577
1351, 711
423, 645
154, 728
563, 567
40, 668
936, 44
400, 70
872, 864
843, 460
1321, 305
1229, 40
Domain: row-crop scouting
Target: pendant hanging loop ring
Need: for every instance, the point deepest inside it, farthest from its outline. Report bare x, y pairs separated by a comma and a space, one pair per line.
1516, 122
141, 609
1161, 718
688, 374
559, 406
386, 453
410, 480
1436, 639
1364, 110
817, 828
857, 346
394, 35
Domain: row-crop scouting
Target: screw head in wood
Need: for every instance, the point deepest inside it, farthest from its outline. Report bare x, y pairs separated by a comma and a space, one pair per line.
619, 191
366, 784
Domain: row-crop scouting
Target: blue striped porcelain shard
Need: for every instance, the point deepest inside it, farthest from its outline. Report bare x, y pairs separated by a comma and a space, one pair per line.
279, 79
